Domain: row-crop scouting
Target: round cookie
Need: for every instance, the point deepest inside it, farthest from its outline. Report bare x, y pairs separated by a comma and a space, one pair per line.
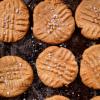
14, 18
57, 97
56, 66
53, 22
16, 76
96, 98
90, 67
88, 18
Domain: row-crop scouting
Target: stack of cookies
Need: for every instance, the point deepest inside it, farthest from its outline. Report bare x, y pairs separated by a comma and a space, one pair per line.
53, 24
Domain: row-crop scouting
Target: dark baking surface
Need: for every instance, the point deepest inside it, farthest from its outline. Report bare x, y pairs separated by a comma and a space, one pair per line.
29, 48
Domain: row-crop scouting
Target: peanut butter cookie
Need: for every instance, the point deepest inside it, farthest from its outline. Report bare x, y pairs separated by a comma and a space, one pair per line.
90, 67
53, 22
16, 76
14, 20
56, 66
88, 18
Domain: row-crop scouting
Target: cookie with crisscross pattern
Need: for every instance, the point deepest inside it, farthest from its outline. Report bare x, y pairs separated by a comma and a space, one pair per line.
88, 18
90, 67
56, 66
53, 22
16, 76
14, 20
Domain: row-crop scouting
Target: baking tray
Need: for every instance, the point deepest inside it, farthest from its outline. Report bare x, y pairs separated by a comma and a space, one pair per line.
29, 48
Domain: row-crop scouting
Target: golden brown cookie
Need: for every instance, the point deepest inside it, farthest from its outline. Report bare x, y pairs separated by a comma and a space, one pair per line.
88, 18
56, 66
96, 98
90, 67
57, 97
53, 22
16, 76
14, 20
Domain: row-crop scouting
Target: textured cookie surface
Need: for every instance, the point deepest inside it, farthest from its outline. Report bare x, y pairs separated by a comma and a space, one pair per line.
53, 22
96, 98
16, 76
90, 67
56, 66
14, 20
57, 97
88, 18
